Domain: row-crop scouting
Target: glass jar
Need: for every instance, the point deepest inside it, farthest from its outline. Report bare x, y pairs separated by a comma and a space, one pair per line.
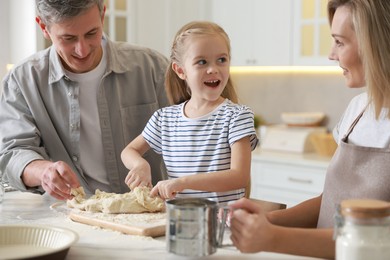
363, 230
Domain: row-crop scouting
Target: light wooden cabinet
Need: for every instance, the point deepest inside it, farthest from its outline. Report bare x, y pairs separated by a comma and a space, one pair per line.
260, 31
287, 178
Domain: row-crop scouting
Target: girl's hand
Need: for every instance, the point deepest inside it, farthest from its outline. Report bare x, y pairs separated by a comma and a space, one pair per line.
139, 176
166, 189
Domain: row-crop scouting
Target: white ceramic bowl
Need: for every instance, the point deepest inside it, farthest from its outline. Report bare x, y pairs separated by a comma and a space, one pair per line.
303, 119
27, 242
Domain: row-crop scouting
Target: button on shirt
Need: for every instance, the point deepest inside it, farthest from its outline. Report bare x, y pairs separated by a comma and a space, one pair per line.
91, 144
40, 115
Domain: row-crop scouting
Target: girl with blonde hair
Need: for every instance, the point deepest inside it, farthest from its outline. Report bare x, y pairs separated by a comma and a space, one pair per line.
205, 137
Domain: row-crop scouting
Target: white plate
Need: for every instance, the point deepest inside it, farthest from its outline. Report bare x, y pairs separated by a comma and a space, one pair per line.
28, 241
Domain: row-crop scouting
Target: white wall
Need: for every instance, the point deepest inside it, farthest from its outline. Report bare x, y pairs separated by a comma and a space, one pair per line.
23, 30
271, 94
4, 32
19, 29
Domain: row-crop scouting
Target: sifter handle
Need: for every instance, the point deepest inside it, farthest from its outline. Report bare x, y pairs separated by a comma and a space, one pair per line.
222, 225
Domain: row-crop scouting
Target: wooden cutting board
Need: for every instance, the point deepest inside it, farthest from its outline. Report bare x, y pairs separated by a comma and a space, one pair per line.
142, 224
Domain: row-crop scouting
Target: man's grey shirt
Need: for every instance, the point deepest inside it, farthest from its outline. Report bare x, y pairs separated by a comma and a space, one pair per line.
40, 115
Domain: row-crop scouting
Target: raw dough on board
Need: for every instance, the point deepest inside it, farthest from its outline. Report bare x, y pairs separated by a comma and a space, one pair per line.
136, 201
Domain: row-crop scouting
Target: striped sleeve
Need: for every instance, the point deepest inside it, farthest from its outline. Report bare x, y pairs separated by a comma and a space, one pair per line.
152, 132
242, 125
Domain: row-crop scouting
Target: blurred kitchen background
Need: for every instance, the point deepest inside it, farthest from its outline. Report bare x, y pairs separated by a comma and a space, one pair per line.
279, 64
279, 47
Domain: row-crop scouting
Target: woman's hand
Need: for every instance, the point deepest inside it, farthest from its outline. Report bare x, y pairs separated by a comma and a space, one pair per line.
251, 231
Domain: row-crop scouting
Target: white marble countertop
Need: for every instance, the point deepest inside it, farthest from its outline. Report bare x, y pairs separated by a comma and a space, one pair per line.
95, 243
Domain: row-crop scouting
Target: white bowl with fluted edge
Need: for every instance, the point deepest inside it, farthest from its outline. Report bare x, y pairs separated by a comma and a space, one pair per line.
35, 241
303, 118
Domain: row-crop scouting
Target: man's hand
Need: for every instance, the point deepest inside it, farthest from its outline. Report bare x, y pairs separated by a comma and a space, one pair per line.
56, 178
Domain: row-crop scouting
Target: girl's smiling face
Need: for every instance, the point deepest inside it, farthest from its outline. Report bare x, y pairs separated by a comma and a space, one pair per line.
205, 67
345, 48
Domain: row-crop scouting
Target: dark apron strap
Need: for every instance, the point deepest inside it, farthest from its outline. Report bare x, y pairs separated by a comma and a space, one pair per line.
345, 138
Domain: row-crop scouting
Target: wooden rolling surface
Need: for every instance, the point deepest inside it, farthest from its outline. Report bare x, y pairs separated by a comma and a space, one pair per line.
142, 229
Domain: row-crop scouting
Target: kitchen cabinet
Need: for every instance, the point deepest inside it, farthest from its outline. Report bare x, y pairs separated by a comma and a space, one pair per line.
260, 31
117, 23
275, 33
152, 23
312, 39
287, 178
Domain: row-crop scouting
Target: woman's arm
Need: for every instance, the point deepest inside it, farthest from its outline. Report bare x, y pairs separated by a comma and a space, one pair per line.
303, 215
140, 172
253, 232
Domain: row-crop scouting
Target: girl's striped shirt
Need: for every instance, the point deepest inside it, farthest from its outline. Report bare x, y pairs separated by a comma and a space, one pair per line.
201, 145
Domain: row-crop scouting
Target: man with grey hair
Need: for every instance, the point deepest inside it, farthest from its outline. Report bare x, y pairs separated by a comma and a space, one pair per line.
67, 112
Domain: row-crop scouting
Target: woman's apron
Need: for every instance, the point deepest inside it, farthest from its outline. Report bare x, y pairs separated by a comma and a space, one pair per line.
355, 172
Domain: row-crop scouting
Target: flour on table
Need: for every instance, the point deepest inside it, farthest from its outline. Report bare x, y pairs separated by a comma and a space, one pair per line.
136, 201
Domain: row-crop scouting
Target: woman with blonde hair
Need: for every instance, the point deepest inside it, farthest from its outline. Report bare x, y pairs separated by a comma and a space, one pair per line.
360, 167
